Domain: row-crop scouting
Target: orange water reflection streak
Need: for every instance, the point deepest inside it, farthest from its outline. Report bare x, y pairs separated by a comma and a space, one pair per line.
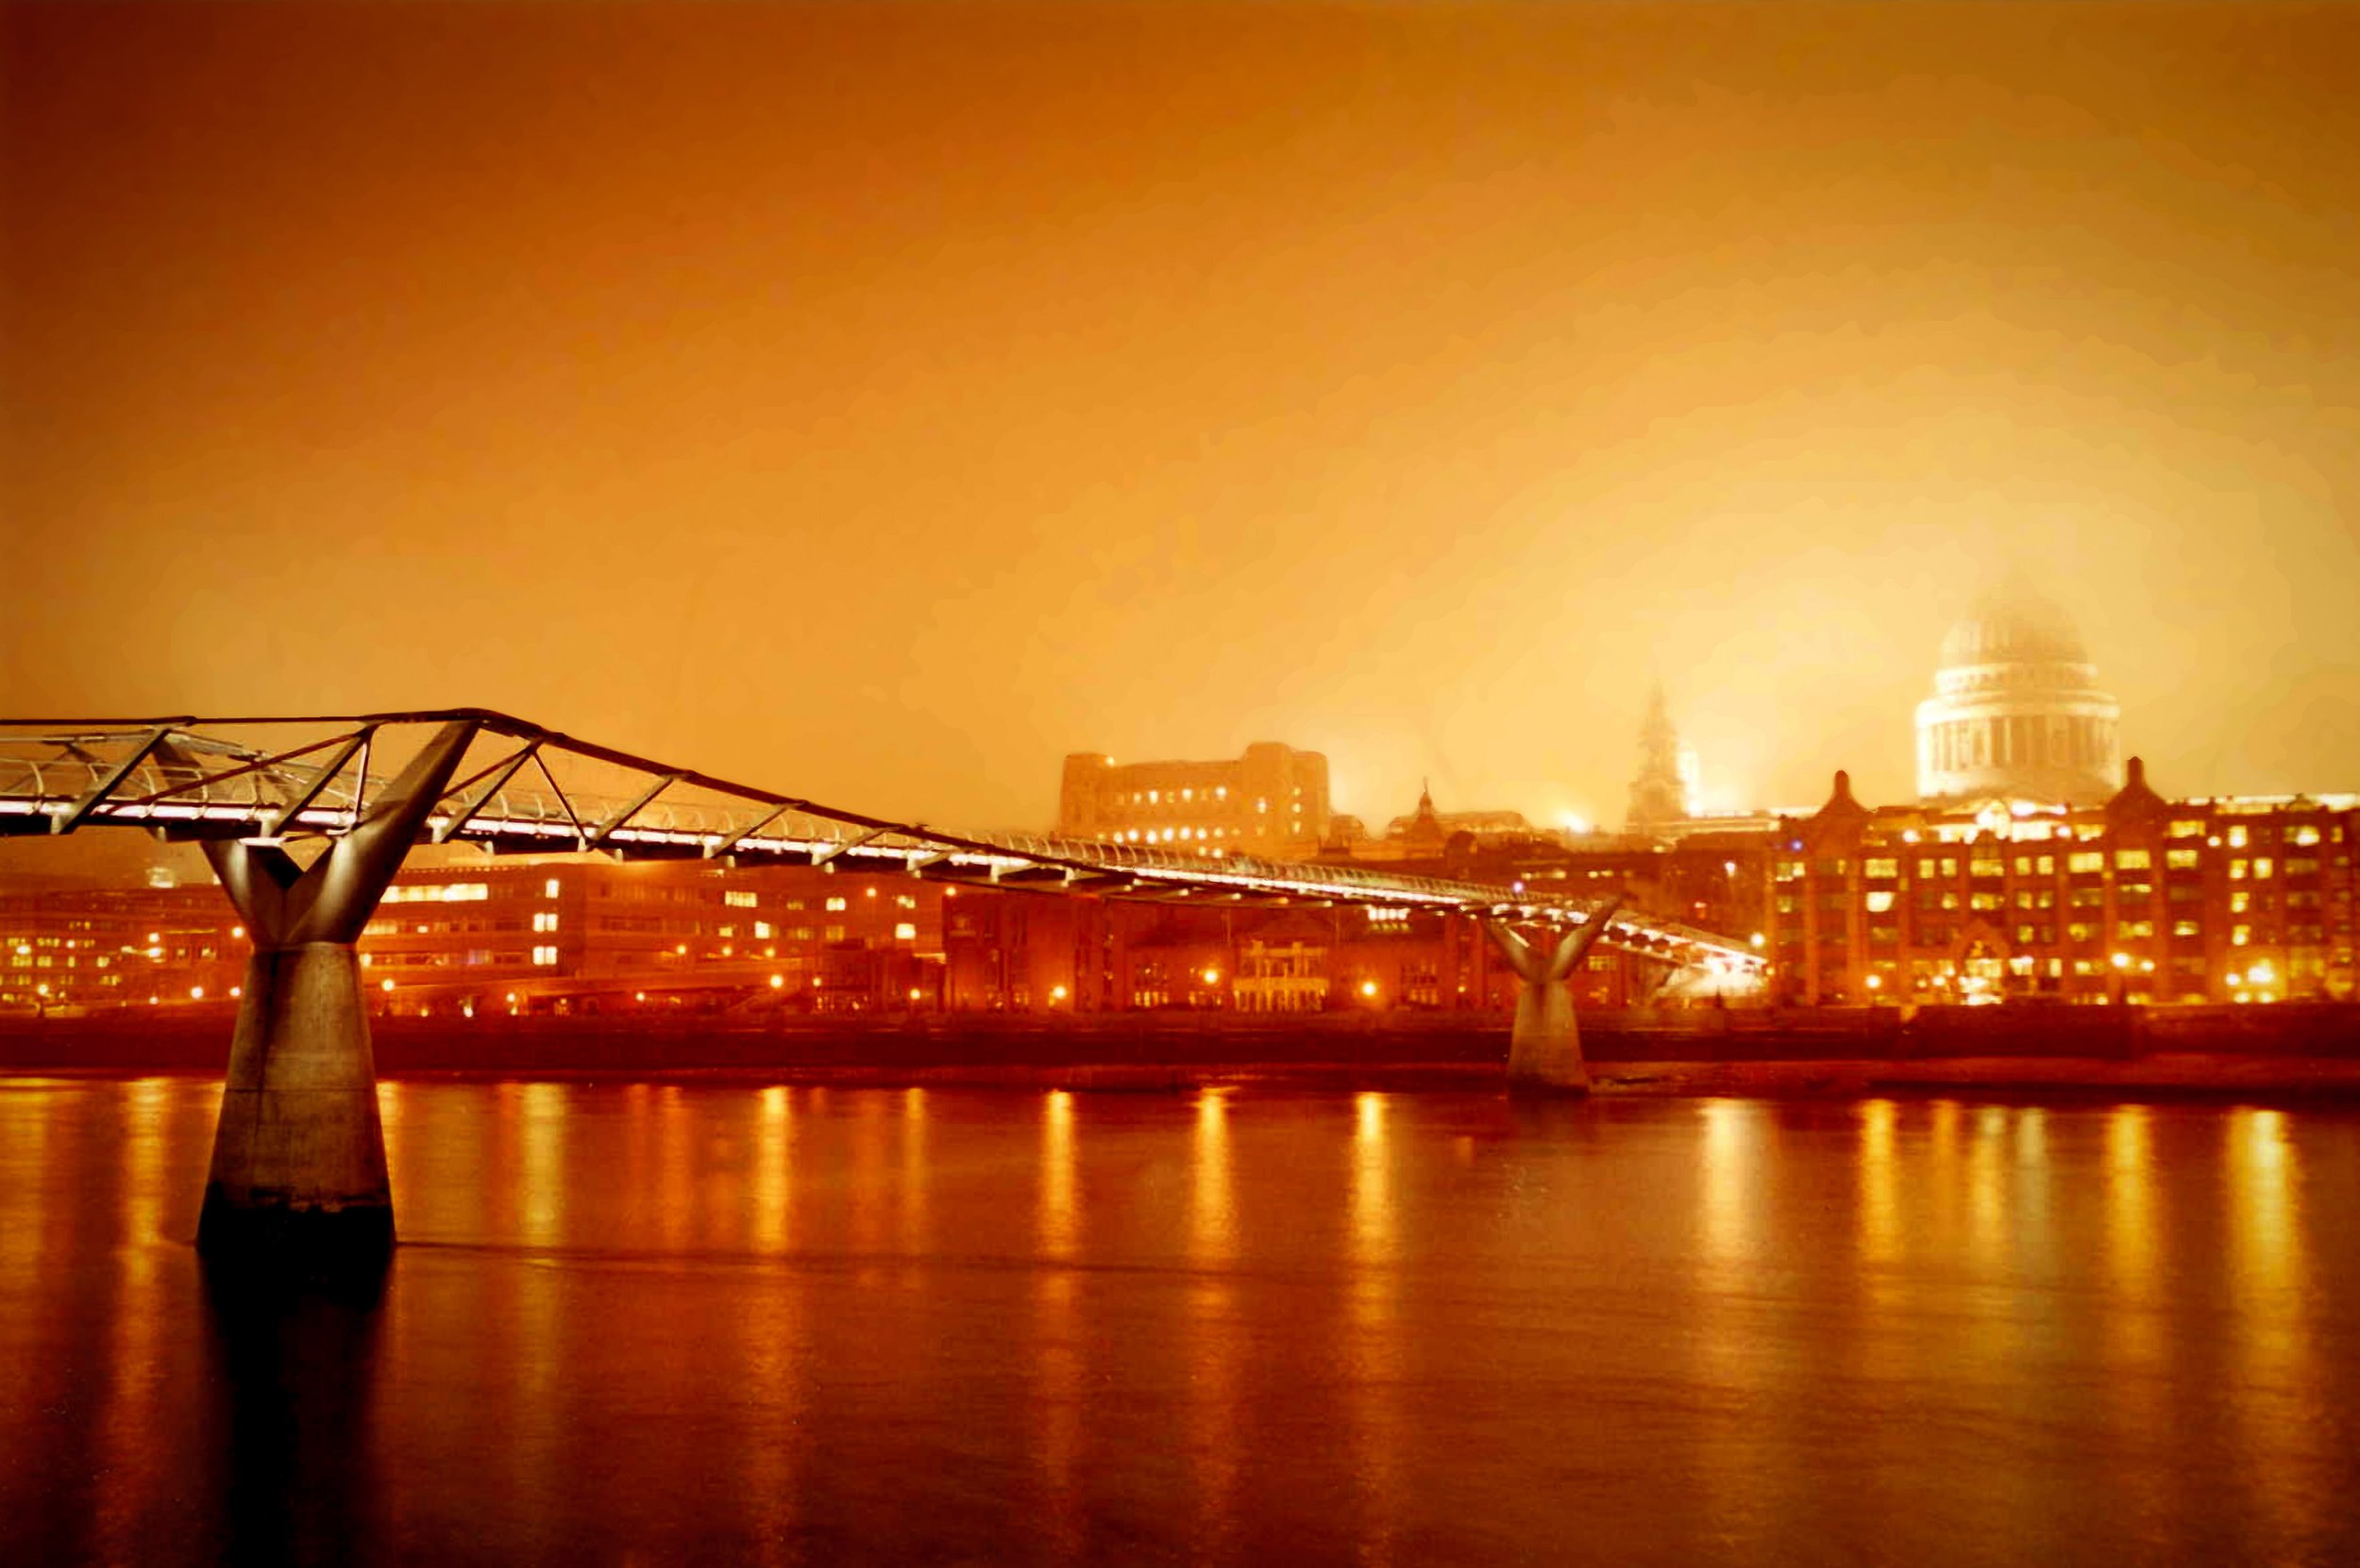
1373, 1297
1213, 1344
1057, 1359
2286, 1442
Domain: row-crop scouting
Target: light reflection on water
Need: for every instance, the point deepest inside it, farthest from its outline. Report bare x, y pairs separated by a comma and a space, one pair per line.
811, 1326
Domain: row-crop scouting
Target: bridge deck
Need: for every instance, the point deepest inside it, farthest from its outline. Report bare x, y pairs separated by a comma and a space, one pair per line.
526, 790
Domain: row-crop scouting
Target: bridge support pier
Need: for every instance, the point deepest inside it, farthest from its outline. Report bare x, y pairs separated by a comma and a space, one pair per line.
1544, 1046
298, 1151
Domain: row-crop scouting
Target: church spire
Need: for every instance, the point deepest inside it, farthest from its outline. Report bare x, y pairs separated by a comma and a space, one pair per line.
1657, 795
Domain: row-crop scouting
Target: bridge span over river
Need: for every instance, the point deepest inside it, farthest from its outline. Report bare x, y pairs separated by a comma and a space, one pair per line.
306, 819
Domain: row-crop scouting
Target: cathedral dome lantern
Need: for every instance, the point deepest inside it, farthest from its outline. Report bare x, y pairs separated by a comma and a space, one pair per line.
2017, 712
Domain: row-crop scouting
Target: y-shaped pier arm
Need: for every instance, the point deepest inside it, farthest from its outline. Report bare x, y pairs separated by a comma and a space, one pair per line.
298, 1151
1544, 1049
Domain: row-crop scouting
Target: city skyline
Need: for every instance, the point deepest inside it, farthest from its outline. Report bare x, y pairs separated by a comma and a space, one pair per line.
1410, 386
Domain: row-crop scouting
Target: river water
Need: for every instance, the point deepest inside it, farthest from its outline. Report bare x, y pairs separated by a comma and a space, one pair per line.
733, 1323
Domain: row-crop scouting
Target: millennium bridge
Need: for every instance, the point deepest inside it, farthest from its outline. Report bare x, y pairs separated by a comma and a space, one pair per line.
298, 1153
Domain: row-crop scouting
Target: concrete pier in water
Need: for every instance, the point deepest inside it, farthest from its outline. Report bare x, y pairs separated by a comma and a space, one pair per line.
1544, 1045
298, 1151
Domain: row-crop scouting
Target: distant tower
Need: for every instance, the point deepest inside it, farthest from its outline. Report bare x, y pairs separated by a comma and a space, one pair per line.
1658, 795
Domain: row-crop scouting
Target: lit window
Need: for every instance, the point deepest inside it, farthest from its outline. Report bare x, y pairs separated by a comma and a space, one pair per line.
905, 932
2236, 871
545, 920
2188, 830
2236, 838
2086, 860
836, 905
545, 955
761, 930
2185, 928
1881, 900
906, 900
737, 899
1883, 868
2180, 860
548, 888
2262, 868
2132, 860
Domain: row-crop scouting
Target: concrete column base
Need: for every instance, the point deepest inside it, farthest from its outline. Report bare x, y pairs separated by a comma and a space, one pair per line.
298, 1151
1544, 1045
1544, 1048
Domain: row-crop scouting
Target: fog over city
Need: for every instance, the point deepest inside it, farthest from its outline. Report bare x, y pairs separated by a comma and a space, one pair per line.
882, 402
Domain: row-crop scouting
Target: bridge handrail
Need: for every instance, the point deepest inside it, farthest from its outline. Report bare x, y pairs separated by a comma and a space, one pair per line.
163, 783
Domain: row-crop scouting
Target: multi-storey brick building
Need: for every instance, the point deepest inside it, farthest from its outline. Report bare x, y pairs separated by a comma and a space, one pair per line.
518, 935
1018, 952
2144, 899
1272, 802
67, 949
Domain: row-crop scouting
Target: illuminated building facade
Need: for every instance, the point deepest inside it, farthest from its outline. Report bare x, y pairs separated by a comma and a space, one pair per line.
1025, 953
1272, 802
2016, 714
71, 949
2142, 898
515, 936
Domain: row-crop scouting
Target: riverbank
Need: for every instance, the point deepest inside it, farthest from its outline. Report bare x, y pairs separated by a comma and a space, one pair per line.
2291, 1052
2185, 1076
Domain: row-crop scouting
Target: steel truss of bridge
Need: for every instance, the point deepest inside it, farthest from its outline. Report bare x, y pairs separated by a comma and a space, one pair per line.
515, 788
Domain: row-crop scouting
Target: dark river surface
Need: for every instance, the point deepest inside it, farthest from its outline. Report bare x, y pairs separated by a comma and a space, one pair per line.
729, 1323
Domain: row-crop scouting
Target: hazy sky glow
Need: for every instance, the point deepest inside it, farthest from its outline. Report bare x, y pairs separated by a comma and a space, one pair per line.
879, 401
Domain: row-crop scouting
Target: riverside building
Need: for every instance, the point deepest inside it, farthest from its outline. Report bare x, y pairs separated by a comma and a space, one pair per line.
2138, 899
1271, 802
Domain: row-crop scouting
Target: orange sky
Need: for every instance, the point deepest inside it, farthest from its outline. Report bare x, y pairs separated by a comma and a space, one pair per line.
879, 401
